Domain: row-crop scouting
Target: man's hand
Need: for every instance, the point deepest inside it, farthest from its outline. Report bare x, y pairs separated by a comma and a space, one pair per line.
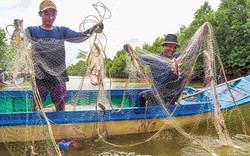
97, 28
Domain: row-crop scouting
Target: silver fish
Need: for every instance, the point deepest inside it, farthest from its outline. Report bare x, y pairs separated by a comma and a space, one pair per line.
98, 48
133, 56
207, 55
102, 107
175, 67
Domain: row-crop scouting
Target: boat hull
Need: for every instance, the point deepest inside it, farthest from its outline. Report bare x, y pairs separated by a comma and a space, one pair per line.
195, 107
90, 130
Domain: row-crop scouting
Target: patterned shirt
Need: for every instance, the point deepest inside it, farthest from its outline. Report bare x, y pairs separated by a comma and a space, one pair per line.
48, 52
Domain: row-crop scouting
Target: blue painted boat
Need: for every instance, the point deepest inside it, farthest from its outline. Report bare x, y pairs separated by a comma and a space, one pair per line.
16, 115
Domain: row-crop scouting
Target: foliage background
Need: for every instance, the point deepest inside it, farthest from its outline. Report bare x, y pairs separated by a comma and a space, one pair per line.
231, 25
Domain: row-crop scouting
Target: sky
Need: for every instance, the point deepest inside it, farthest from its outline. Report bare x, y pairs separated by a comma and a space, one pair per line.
132, 21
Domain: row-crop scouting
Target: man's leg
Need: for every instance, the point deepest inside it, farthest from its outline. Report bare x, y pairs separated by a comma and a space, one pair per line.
143, 97
58, 96
42, 93
142, 100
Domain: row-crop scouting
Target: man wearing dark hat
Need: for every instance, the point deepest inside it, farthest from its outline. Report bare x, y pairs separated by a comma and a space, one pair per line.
48, 54
167, 83
169, 47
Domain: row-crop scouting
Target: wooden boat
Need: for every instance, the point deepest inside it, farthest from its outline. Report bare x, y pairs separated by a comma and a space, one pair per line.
16, 116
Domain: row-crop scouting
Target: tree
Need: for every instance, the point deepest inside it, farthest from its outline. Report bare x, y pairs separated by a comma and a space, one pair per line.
119, 64
2, 47
3, 39
82, 54
156, 47
108, 63
202, 15
78, 69
232, 29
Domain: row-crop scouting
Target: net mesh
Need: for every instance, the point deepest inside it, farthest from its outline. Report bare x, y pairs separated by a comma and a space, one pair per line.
30, 65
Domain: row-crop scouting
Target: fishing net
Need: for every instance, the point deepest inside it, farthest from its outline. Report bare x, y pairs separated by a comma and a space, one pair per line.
170, 78
96, 109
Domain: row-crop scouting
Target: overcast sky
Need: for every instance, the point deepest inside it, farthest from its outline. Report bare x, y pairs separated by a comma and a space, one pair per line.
133, 21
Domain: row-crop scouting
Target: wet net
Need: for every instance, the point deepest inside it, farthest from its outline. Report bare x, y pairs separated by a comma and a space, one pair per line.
97, 110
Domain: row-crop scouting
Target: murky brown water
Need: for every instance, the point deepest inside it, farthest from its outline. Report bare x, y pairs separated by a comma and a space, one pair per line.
167, 143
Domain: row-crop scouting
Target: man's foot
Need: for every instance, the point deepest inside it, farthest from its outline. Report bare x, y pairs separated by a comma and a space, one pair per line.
60, 107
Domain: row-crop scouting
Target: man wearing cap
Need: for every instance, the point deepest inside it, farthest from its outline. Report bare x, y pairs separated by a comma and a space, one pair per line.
48, 54
168, 84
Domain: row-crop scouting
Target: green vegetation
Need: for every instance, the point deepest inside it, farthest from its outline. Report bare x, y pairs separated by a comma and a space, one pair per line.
5, 55
231, 24
119, 63
232, 29
79, 69
2, 38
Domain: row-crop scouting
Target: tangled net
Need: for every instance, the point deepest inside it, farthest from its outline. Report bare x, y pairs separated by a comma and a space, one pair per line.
94, 102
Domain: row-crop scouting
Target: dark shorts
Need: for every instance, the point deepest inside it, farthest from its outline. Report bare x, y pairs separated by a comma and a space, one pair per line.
151, 97
57, 92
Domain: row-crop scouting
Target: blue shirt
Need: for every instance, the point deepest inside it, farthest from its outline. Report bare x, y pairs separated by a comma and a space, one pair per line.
48, 52
168, 84
160, 70
60, 33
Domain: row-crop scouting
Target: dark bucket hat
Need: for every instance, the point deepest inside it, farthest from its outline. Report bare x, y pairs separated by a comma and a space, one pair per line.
171, 38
